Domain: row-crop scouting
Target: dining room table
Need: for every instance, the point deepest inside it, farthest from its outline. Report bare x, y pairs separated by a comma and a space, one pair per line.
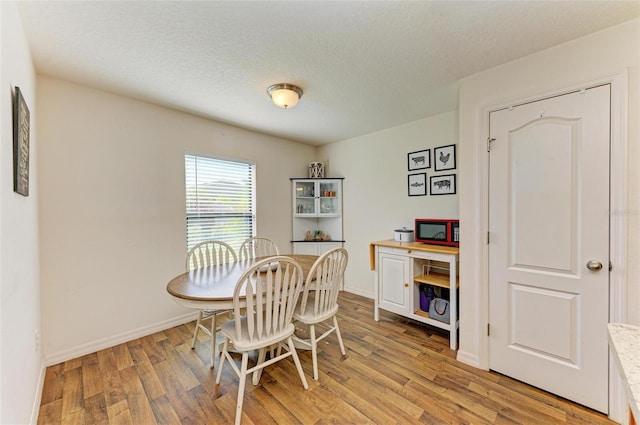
212, 287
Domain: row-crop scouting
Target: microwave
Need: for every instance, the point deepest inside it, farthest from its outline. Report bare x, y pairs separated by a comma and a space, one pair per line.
437, 231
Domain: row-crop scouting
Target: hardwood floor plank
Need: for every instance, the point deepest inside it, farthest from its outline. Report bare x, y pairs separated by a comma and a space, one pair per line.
91, 376
111, 382
122, 356
96, 410
187, 412
380, 390
146, 372
72, 364
72, 399
119, 413
227, 405
177, 335
181, 369
53, 384
152, 349
138, 400
519, 407
50, 413
351, 394
207, 404
163, 410
261, 407
396, 372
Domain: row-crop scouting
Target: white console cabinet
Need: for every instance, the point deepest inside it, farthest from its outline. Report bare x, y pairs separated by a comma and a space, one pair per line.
402, 267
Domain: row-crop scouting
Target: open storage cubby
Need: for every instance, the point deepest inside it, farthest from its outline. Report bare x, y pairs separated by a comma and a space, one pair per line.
434, 274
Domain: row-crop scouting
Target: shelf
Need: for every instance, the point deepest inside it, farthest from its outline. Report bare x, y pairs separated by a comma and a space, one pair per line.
423, 317
422, 313
314, 241
436, 279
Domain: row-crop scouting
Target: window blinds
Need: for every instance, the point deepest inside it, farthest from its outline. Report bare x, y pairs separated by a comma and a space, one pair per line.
220, 199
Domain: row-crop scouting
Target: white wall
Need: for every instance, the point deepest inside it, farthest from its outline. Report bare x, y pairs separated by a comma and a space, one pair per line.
582, 60
21, 362
376, 200
112, 209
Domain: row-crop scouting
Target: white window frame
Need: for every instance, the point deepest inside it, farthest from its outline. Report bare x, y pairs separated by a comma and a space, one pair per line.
207, 177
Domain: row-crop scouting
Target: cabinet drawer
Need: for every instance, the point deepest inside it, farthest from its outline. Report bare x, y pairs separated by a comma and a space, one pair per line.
390, 250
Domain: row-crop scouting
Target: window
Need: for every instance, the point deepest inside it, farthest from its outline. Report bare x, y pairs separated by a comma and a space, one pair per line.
220, 198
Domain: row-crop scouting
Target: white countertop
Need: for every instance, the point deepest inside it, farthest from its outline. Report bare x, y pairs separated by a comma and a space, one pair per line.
625, 345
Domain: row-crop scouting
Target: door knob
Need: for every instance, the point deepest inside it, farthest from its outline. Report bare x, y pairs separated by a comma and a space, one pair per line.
594, 265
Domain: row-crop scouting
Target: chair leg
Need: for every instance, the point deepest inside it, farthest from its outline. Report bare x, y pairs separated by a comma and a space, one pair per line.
223, 357
314, 350
262, 355
296, 360
195, 333
213, 339
335, 325
241, 385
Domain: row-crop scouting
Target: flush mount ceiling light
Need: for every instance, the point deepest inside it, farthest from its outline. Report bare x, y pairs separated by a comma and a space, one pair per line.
285, 95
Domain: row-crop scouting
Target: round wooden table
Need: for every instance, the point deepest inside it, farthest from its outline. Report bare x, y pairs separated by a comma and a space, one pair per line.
212, 287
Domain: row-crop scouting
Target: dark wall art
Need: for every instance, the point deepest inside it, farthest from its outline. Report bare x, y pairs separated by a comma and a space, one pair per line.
444, 158
443, 185
419, 159
20, 144
418, 184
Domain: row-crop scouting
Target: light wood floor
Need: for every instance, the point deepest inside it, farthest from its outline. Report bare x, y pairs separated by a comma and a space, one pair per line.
395, 372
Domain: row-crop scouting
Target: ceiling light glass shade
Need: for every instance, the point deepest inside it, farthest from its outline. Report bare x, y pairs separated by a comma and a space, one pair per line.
285, 95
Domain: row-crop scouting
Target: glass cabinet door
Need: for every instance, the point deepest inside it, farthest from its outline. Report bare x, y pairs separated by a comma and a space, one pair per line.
317, 198
305, 197
328, 198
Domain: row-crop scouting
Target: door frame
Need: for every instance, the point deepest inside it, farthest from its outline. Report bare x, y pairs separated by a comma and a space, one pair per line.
617, 227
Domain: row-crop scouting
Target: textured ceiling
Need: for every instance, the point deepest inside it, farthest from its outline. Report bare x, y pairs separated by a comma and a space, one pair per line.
363, 65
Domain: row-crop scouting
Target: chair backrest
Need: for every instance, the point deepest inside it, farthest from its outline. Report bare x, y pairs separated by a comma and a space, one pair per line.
258, 247
209, 253
324, 281
270, 289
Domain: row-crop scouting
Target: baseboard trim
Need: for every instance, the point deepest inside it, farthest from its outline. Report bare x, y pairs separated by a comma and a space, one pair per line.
100, 344
468, 358
358, 292
35, 410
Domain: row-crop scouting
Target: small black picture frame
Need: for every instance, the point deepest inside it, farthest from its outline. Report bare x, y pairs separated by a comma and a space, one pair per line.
419, 160
443, 185
417, 184
20, 144
444, 158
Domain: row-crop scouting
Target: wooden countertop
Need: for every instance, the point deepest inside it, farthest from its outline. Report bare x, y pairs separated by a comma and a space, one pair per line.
409, 246
625, 345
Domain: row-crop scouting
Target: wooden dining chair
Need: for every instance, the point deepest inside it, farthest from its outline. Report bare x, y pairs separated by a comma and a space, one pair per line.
269, 290
256, 247
319, 300
205, 254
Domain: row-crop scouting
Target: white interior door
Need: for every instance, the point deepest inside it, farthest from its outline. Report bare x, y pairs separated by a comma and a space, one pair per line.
549, 232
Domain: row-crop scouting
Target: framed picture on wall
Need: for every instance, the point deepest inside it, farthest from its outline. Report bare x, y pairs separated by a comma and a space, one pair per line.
417, 184
443, 185
444, 158
419, 159
20, 144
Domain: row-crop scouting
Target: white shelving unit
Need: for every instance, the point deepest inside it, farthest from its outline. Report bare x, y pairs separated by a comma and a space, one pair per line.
401, 267
317, 206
